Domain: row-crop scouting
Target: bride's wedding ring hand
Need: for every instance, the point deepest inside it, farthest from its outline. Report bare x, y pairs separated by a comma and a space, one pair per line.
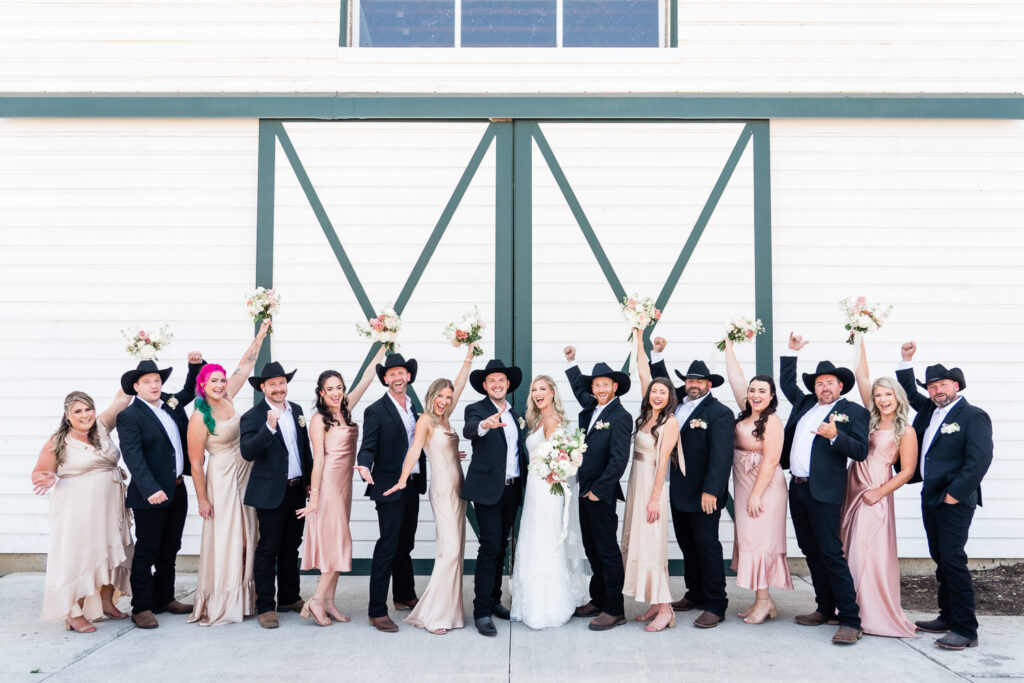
708, 503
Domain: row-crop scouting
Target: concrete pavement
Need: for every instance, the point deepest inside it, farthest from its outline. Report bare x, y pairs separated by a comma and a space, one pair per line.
300, 651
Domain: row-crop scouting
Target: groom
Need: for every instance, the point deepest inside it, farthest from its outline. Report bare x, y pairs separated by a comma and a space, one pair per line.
609, 428
494, 482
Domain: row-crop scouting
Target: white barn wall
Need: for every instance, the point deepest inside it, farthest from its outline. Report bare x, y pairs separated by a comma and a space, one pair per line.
933, 46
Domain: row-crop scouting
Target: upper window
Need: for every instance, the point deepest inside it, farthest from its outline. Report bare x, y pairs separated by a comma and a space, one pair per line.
508, 23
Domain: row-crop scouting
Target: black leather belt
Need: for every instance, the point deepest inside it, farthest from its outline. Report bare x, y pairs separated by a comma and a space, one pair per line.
179, 481
297, 481
799, 480
509, 481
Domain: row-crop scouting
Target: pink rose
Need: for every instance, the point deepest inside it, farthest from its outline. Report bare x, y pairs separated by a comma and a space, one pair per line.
631, 304
750, 334
657, 314
460, 335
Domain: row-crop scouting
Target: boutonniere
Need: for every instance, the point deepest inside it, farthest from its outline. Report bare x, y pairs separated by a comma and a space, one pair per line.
840, 417
949, 428
698, 424
522, 423
171, 402
302, 420
601, 425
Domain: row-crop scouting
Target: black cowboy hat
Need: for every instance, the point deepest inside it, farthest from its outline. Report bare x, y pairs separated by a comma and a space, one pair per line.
603, 370
826, 368
145, 367
699, 370
934, 373
514, 374
271, 370
396, 360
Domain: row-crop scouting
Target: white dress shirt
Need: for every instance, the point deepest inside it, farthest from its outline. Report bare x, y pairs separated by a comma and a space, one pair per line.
409, 420
803, 439
685, 409
172, 433
291, 438
511, 441
933, 428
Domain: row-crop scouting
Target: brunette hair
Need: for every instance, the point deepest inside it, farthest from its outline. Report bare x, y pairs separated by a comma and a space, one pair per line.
60, 436
321, 405
762, 419
646, 410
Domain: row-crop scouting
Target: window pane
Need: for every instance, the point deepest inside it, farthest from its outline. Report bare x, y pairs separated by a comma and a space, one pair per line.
407, 23
610, 23
508, 23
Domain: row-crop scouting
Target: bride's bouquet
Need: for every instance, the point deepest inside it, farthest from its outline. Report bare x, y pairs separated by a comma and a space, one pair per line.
639, 313
862, 316
559, 458
144, 345
741, 329
384, 328
466, 331
262, 304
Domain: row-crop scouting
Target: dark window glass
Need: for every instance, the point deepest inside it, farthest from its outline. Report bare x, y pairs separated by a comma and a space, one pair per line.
509, 23
406, 23
610, 23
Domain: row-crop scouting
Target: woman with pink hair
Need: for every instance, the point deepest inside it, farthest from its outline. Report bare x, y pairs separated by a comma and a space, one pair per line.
225, 592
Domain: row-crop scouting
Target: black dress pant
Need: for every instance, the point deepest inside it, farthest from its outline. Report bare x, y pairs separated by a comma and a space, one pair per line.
947, 527
277, 551
495, 522
817, 526
392, 555
157, 542
599, 526
704, 567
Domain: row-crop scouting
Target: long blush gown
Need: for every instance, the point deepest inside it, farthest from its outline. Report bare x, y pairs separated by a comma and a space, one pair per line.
759, 549
645, 545
90, 538
440, 606
869, 540
225, 591
328, 542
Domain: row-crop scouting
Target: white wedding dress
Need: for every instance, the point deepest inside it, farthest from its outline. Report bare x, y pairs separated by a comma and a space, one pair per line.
551, 575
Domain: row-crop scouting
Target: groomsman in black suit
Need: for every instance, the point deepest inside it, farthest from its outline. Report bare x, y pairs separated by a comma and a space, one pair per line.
388, 427
824, 430
494, 482
609, 429
955, 453
706, 430
274, 439
152, 435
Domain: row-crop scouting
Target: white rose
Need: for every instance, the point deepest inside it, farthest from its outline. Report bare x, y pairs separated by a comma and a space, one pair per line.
863, 321
147, 352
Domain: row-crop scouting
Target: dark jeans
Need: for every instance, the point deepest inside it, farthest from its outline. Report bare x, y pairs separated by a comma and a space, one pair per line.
277, 551
817, 527
392, 561
704, 569
947, 527
157, 542
495, 523
599, 525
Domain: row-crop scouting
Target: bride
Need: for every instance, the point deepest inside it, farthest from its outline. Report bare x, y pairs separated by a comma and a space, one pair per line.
551, 574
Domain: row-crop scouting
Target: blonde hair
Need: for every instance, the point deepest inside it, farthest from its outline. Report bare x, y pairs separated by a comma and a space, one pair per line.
533, 412
60, 436
436, 387
899, 421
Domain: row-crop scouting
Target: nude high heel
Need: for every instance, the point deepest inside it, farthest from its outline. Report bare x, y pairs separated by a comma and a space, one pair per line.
306, 612
772, 612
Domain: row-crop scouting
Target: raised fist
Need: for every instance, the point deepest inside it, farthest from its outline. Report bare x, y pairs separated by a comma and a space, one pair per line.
272, 415
195, 357
908, 350
658, 344
570, 353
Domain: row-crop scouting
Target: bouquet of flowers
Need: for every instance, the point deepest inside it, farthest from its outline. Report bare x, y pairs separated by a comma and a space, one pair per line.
144, 345
741, 329
466, 331
384, 328
639, 313
262, 304
559, 458
862, 316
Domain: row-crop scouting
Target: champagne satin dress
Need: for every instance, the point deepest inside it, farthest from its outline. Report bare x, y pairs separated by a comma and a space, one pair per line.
644, 544
328, 542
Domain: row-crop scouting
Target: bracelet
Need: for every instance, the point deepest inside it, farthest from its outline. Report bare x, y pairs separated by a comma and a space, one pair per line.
314, 490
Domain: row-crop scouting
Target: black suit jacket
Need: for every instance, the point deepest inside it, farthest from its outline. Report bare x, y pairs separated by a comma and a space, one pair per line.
828, 460
485, 478
268, 479
146, 448
607, 449
707, 453
385, 443
957, 461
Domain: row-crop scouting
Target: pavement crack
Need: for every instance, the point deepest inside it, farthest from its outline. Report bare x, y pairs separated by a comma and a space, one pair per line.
929, 657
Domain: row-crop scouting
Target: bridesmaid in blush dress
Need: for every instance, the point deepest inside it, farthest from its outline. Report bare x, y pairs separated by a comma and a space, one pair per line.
760, 495
440, 607
327, 545
869, 520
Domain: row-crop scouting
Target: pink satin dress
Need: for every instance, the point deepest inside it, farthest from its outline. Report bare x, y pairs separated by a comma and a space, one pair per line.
869, 540
328, 542
759, 548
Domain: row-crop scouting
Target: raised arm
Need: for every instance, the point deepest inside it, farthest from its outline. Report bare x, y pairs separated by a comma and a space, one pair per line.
188, 392
237, 379
734, 371
108, 418
316, 441
463, 376
362, 383
787, 371
583, 396
918, 401
643, 365
197, 435
659, 369
862, 374
423, 429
